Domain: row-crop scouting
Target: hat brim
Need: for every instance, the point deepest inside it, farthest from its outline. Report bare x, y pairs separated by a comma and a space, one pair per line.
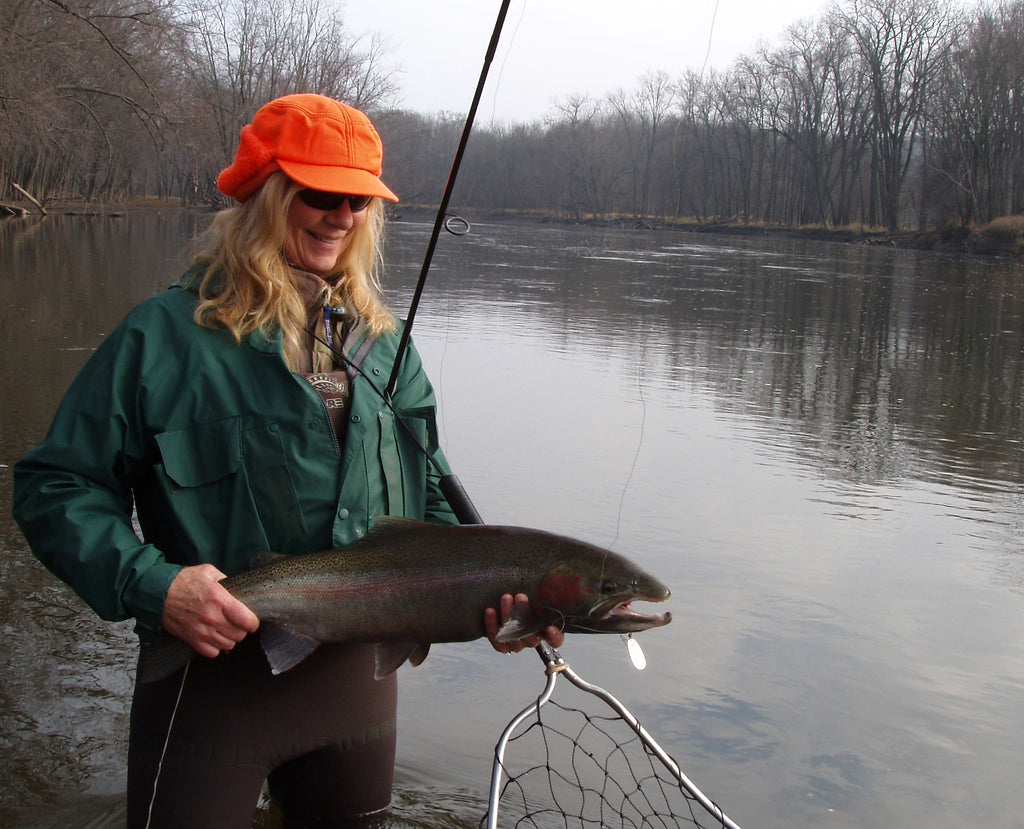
349, 180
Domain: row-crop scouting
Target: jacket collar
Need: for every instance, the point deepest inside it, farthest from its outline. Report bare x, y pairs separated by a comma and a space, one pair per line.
272, 344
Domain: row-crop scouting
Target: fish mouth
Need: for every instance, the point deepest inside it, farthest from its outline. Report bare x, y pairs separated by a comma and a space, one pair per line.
617, 616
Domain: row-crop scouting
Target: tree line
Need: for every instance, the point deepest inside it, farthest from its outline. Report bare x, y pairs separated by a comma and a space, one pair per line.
891, 113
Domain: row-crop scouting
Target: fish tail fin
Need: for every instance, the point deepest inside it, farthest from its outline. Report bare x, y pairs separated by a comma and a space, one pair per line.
160, 660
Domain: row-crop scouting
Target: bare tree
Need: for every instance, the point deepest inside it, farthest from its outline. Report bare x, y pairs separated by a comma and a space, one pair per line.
977, 118
239, 54
900, 43
879, 111
822, 115
77, 79
701, 128
641, 115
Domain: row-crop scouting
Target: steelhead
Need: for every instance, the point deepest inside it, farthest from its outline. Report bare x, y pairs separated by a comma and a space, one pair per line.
407, 584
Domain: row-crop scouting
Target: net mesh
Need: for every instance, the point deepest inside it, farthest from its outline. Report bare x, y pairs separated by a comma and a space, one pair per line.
569, 767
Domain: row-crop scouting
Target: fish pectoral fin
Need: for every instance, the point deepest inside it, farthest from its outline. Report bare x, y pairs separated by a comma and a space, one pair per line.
418, 655
283, 648
390, 656
520, 623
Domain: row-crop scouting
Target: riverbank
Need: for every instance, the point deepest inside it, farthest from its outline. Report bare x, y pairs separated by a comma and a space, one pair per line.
1001, 237
1004, 236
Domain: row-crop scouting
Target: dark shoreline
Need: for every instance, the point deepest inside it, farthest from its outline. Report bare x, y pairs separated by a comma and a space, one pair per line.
992, 240
984, 241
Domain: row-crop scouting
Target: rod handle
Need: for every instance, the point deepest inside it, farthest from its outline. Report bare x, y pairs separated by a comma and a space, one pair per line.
459, 500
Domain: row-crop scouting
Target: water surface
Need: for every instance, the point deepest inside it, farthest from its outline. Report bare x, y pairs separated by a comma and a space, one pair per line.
818, 447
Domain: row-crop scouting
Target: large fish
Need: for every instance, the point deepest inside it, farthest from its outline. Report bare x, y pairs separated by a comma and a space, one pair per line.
407, 584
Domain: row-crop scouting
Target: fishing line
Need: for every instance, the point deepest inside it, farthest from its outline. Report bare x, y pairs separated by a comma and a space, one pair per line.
643, 345
501, 71
639, 443
643, 348
711, 34
167, 741
442, 426
633, 650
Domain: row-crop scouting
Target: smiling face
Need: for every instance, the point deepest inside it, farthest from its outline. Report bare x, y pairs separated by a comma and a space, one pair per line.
315, 239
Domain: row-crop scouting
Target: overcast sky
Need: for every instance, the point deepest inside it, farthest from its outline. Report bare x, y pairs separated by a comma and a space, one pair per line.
551, 49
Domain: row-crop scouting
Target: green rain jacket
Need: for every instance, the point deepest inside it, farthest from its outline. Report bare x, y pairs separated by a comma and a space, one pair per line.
223, 452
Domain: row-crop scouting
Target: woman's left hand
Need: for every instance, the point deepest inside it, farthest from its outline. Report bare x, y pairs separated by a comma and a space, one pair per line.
494, 617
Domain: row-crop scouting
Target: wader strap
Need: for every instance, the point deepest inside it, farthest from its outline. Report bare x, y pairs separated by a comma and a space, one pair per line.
356, 360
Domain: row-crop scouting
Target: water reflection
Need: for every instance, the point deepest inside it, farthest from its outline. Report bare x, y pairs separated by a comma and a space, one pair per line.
818, 447
858, 349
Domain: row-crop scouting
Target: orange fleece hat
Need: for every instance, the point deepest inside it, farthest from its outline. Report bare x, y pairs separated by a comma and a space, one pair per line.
316, 141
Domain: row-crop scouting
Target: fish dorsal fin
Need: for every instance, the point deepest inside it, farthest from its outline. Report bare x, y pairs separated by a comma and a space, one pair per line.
390, 656
283, 648
394, 526
520, 623
259, 559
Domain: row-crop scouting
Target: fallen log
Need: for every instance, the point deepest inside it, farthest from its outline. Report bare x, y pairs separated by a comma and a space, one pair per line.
29, 196
8, 209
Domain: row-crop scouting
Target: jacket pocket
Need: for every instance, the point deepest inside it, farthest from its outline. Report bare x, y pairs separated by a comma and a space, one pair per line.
201, 455
406, 438
225, 492
201, 496
265, 463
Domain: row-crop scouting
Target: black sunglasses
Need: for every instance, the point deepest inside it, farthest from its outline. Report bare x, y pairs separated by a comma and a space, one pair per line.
322, 200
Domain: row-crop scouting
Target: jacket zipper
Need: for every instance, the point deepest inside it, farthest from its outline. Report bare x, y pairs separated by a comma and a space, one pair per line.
330, 424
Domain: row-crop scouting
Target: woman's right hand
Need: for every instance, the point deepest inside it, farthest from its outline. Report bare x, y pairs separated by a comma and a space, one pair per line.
202, 613
494, 617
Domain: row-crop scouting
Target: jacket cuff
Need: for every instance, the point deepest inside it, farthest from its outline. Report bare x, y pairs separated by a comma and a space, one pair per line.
145, 599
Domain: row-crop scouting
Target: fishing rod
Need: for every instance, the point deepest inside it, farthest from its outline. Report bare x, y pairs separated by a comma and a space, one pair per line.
450, 485
439, 219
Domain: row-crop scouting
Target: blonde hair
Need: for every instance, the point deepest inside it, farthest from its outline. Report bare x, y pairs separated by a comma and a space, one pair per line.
247, 283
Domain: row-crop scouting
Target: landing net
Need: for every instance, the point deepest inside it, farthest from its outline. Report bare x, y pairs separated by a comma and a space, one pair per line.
577, 768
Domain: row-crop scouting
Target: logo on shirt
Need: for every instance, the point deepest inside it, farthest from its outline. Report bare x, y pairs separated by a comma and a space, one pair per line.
332, 389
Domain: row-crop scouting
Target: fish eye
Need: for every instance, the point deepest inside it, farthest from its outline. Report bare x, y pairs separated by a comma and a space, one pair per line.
609, 587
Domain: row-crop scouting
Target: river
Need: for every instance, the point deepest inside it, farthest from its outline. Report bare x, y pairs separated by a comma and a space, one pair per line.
819, 447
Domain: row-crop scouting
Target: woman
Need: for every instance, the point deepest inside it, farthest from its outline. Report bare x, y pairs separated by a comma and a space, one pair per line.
224, 411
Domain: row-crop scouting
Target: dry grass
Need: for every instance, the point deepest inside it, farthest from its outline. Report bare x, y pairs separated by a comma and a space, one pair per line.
1004, 235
